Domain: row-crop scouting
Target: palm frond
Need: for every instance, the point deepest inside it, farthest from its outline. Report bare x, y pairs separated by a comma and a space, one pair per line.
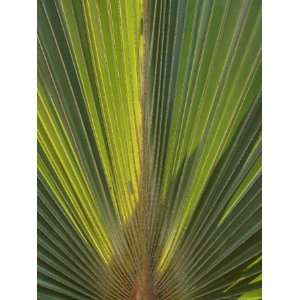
149, 149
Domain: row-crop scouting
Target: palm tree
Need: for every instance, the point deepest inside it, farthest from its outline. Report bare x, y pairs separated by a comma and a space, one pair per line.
149, 149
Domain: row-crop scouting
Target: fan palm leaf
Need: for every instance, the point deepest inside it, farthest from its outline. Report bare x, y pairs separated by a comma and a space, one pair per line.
149, 149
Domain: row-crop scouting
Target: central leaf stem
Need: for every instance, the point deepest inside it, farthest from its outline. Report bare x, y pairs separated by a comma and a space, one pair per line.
144, 289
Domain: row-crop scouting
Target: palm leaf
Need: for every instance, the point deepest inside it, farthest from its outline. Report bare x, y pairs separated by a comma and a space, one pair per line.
149, 149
